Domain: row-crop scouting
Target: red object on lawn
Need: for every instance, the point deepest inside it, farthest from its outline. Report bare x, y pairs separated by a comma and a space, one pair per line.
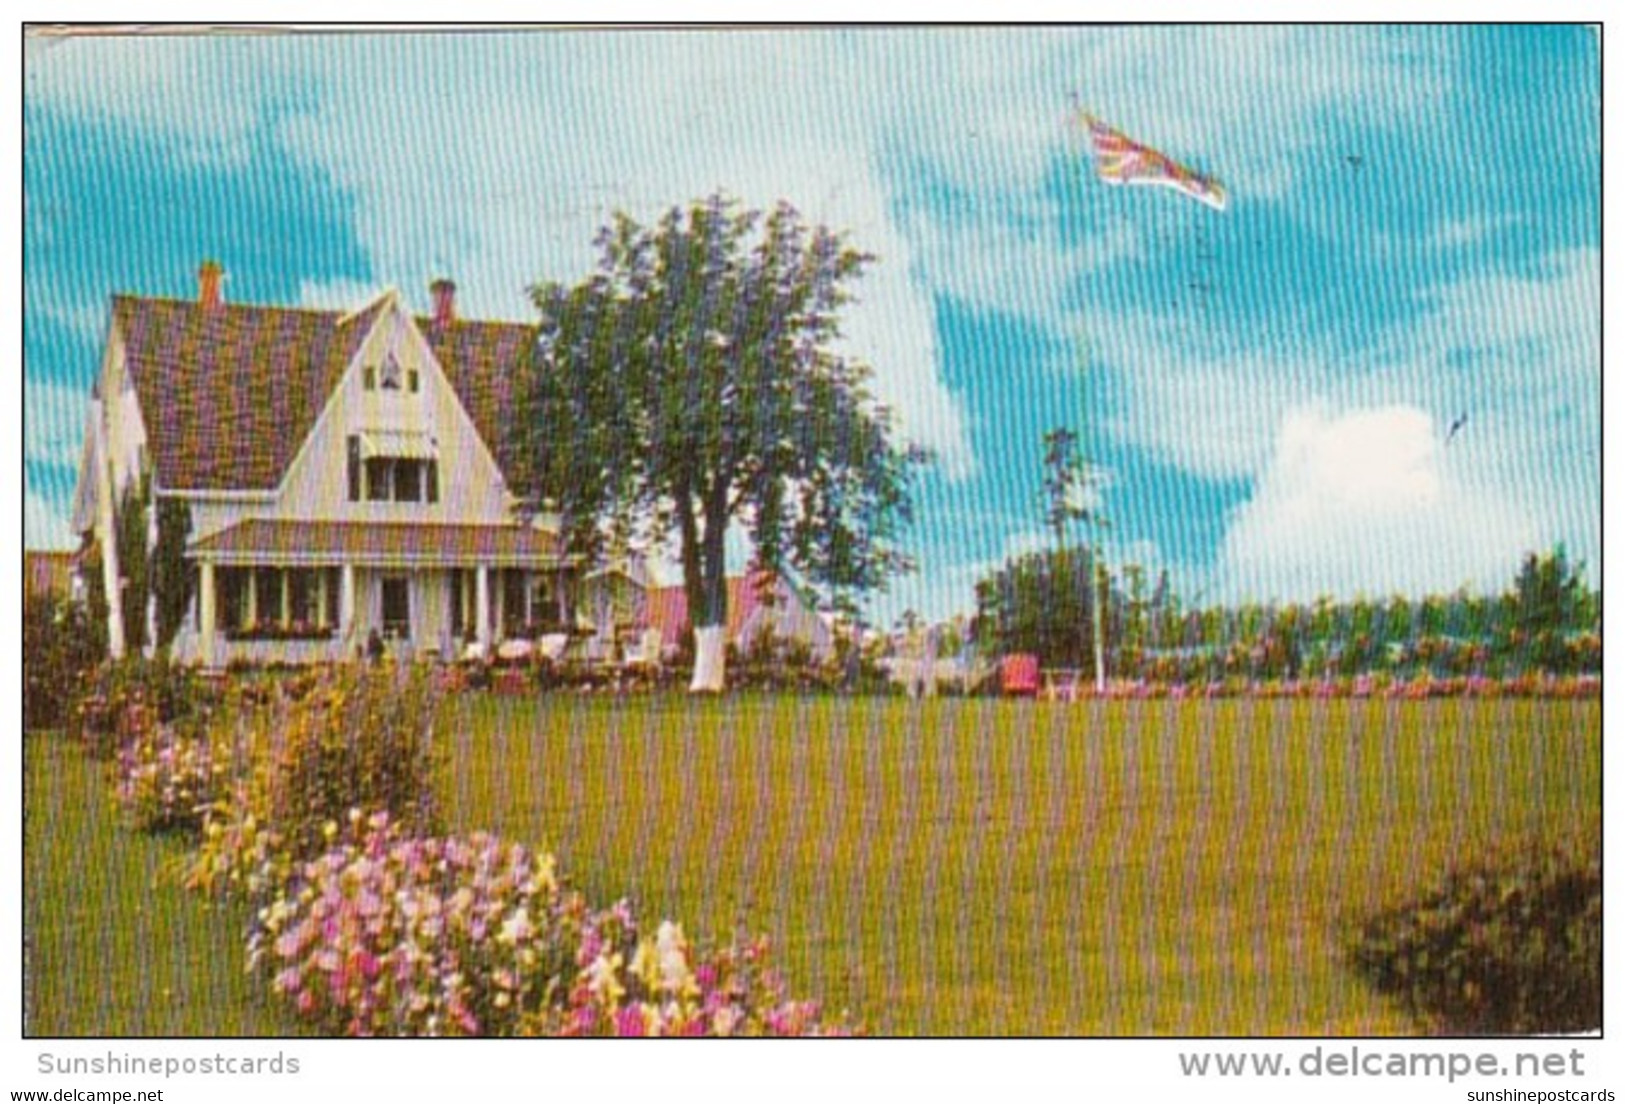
510, 680
1018, 674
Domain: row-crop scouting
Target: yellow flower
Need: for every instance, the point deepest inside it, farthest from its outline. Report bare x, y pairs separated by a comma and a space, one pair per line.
603, 979
646, 964
546, 867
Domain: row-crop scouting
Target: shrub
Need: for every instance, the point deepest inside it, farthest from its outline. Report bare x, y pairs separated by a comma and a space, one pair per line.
240, 854
62, 643
124, 699
168, 780
360, 738
308, 752
771, 662
1510, 945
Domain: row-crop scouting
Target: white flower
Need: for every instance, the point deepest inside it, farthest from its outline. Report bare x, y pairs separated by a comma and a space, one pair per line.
671, 951
517, 928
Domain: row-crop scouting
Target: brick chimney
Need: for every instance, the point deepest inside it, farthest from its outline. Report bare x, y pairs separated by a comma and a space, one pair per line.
445, 302
208, 283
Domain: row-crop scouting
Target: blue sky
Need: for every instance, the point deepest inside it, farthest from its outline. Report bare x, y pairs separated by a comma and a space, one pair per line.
1413, 234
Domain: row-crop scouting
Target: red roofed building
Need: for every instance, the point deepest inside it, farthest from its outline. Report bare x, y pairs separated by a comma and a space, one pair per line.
345, 474
758, 603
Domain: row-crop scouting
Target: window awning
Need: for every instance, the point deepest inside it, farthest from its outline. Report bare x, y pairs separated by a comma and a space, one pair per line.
398, 444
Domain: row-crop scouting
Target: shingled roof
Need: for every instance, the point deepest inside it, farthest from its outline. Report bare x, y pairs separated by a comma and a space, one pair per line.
229, 393
271, 540
479, 359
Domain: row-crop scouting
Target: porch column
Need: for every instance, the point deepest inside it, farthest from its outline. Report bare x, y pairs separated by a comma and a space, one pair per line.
206, 615
107, 523
347, 606
482, 606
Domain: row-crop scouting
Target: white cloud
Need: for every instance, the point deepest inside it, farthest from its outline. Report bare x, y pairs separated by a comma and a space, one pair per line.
55, 416
1551, 316
1518, 353
86, 320
45, 524
340, 294
1369, 501
1196, 405
1023, 270
1457, 233
202, 93
1533, 393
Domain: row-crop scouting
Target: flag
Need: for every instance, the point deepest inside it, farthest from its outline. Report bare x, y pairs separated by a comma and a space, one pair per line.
1121, 160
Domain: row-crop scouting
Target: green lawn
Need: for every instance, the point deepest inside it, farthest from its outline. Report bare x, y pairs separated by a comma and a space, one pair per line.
948, 867
1014, 867
113, 945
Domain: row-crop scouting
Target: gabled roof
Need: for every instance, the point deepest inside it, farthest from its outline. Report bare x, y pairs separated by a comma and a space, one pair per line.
229, 393
480, 359
668, 606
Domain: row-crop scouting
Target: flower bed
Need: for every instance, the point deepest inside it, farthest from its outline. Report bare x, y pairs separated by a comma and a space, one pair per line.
375, 923
168, 781
1543, 686
391, 934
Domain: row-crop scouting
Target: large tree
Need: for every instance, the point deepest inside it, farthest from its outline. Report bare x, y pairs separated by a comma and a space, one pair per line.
1045, 603
694, 382
1548, 601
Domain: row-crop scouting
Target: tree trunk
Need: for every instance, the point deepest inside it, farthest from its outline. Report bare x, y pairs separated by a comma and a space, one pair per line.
710, 660
689, 550
709, 614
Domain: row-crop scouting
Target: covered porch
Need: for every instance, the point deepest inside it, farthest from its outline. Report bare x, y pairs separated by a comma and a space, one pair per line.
274, 591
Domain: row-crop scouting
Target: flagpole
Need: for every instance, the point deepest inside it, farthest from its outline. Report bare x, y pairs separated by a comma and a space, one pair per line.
1118, 159
1099, 582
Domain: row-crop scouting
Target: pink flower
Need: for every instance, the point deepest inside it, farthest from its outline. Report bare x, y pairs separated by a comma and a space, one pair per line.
630, 1022
367, 963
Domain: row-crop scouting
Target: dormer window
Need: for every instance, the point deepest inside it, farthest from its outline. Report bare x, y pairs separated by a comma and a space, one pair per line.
393, 466
390, 377
369, 378
412, 380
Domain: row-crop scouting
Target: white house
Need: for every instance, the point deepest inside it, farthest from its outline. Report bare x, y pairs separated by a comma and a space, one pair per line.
346, 473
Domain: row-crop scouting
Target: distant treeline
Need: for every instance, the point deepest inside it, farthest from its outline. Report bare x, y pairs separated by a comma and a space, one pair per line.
1548, 620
